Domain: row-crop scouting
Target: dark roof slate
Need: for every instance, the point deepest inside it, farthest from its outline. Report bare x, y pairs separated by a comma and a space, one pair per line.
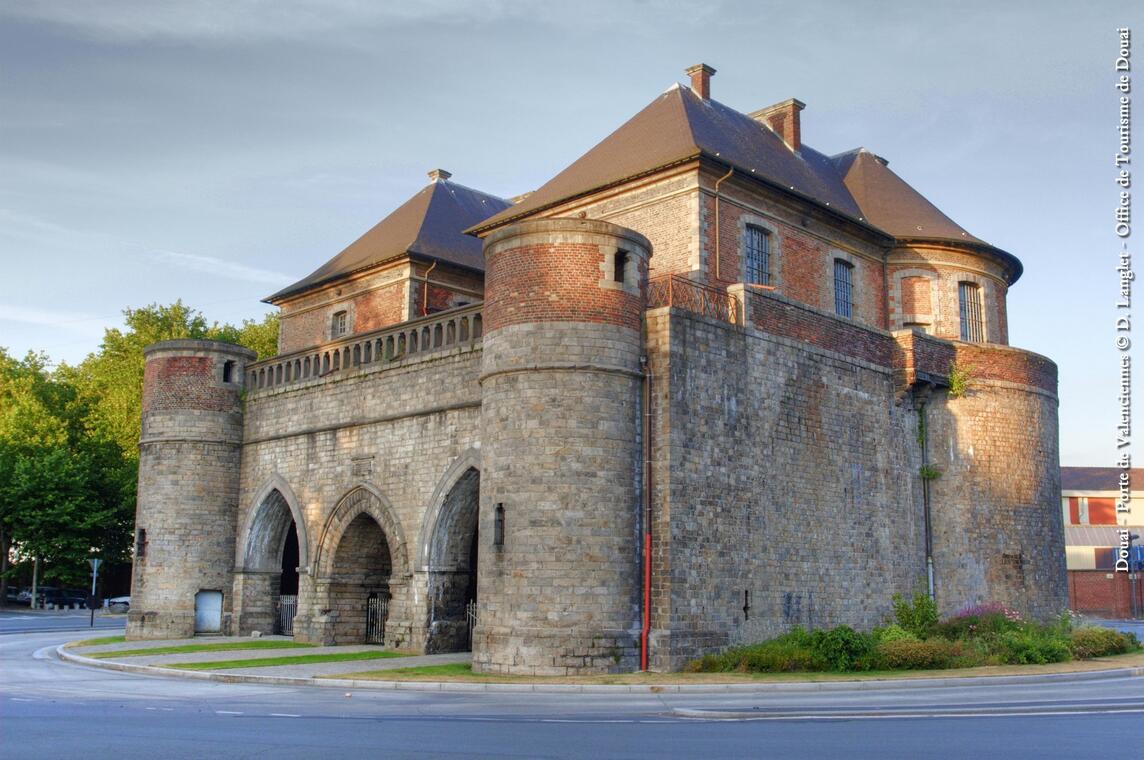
1098, 479
430, 224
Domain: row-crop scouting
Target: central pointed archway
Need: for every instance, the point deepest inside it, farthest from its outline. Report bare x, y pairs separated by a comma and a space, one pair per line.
361, 575
451, 548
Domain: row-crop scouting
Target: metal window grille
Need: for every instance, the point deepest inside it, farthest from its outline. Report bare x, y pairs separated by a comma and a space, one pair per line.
377, 609
758, 256
843, 288
972, 326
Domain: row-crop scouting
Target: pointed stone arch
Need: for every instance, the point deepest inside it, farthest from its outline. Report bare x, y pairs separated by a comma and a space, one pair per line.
272, 508
448, 555
362, 499
438, 512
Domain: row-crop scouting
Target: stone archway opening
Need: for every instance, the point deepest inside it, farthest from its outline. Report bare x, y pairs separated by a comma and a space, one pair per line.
359, 583
269, 579
453, 568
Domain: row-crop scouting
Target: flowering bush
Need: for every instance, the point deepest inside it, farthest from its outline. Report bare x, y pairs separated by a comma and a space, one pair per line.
989, 608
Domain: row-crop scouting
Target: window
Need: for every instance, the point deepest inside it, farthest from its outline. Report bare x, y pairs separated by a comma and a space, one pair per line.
498, 527
969, 301
843, 288
140, 543
619, 266
758, 249
340, 326
228, 371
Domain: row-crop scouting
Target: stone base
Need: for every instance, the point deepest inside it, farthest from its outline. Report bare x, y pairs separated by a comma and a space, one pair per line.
554, 652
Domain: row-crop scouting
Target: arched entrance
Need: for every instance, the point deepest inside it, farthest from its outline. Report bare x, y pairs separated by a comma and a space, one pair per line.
273, 552
452, 567
361, 575
359, 583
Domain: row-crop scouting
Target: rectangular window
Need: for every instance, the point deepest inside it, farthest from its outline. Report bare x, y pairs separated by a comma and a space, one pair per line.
620, 264
969, 301
1101, 511
340, 326
843, 288
758, 247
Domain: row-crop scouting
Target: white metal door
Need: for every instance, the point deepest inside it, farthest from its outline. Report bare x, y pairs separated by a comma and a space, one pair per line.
208, 612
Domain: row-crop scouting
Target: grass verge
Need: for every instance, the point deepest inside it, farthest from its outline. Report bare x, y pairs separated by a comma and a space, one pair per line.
462, 673
189, 648
96, 642
266, 662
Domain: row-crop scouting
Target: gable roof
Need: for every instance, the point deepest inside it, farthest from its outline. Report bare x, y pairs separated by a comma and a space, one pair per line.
430, 224
1098, 479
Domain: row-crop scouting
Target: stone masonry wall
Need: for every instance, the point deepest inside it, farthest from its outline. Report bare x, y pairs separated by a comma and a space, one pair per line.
189, 455
393, 428
784, 493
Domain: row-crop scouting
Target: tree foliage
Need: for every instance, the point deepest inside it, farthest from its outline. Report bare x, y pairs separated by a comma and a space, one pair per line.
69, 438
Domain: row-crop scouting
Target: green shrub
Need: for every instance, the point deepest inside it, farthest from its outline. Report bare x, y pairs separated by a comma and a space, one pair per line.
918, 616
1031, 646
893, 632
1093, 641
906, 654
842, 648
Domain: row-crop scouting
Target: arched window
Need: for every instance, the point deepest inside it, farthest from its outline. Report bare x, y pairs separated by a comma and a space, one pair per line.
757, 247
969, 305
843, 288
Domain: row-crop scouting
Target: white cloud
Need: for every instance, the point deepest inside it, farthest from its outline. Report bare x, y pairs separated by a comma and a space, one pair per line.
222, 268
243, 19
75, 321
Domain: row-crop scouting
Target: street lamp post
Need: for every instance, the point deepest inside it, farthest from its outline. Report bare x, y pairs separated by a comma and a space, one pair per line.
95, 563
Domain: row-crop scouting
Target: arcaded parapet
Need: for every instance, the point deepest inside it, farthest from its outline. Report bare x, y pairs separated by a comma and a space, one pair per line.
189, 456
558, 570
992, 444
949, 291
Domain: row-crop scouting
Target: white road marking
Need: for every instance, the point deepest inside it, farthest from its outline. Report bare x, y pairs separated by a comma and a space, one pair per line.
284, 715
227, 712
21, 699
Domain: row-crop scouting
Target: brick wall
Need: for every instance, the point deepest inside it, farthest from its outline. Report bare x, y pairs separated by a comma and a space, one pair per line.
1104, 594
923, 283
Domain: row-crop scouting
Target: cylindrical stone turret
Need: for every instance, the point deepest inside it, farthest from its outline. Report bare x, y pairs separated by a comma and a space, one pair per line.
560, 430
189, 456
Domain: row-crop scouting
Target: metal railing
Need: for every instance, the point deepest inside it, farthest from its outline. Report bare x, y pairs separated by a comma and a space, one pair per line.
682, 293
416, 338
376, 610
285, 608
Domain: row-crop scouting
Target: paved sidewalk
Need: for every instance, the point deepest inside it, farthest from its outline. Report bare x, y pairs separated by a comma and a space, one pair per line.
312, 670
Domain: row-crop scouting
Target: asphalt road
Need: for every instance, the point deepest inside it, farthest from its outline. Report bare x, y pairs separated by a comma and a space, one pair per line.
52, 709
24, 620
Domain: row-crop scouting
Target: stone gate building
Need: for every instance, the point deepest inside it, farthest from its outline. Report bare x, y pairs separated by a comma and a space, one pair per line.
704, 385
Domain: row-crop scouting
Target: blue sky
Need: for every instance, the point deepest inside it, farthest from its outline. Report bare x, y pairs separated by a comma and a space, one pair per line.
217, 150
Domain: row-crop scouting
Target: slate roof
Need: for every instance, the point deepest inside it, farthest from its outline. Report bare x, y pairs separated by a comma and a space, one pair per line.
1098, 479
430, 224
679, 126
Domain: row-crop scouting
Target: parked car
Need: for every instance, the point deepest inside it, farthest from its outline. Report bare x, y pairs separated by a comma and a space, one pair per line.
119, 603
62, 597
18, 595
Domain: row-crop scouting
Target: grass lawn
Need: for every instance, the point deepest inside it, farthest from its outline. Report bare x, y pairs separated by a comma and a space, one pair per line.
462, 672
305, 659
187, 648
96, 642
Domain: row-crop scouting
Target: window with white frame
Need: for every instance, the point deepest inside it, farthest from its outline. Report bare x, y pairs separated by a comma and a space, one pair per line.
843, 288
340, 325
758, 253
969, 304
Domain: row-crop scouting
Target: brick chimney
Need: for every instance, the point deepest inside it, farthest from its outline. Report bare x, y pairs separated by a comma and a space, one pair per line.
783, 119
439, 174
700, 75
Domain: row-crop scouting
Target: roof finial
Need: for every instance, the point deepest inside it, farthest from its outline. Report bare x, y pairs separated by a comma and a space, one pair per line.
439, 174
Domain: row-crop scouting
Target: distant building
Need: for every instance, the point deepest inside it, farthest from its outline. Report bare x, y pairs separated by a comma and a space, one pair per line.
704, 385
1094, 535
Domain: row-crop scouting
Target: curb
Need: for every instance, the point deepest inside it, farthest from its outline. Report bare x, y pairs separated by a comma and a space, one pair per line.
714, 688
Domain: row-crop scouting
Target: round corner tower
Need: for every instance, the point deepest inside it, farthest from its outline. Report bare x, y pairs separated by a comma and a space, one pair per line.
560, 431
189, 457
